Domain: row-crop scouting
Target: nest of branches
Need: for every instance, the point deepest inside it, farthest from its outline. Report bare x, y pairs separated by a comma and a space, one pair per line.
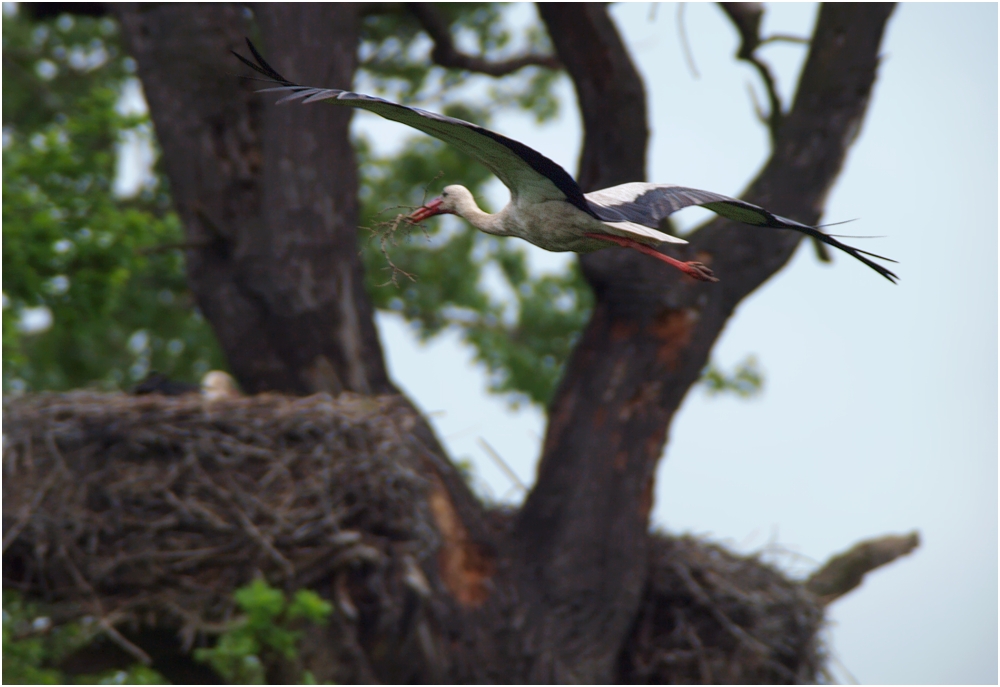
712, 617
150, 511
155, 509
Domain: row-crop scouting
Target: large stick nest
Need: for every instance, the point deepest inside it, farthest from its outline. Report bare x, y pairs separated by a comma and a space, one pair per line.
152, 510
712, 617
145, 507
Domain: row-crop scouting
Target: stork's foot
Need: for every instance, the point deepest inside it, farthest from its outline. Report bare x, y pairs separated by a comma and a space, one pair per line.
695, 270
699, 271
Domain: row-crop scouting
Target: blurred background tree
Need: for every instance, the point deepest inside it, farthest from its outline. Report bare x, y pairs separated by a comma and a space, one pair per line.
91, 294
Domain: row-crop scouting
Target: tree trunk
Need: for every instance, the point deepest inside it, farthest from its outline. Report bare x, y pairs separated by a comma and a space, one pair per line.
268, 197
582, 533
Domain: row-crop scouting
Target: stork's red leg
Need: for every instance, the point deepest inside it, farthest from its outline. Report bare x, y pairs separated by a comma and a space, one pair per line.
695, 270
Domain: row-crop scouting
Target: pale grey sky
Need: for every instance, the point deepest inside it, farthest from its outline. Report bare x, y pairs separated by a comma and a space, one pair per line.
880, 408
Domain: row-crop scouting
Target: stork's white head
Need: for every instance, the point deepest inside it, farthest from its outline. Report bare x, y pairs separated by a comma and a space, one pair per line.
457, 200
454, 200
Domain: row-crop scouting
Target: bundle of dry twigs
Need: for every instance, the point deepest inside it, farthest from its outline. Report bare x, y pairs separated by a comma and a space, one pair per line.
134, 507
712, 617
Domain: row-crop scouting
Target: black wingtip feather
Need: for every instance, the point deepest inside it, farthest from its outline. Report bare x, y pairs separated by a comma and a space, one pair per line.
876, 255
247, 62
858, 254
535, 160
267, 68
815, 232
262, 66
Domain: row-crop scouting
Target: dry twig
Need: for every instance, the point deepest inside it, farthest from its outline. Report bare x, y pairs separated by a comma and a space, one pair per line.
389, 234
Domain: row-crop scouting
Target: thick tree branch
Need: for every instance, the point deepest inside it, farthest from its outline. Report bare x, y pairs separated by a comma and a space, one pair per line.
846, 571
447, 55
580, 536
609, 90
268, 208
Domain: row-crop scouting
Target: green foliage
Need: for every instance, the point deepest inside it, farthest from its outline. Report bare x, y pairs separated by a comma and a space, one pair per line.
746, 381
137, 674
50, 66
95, 263
32, 646
27, 648
264, 634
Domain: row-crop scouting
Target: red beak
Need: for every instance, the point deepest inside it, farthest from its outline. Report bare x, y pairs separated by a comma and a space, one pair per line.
429, 210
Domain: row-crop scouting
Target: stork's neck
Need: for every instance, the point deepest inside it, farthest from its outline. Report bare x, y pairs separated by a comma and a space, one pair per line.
483, 221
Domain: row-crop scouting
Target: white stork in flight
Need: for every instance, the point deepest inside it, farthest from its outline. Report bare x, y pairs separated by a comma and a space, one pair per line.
547, 207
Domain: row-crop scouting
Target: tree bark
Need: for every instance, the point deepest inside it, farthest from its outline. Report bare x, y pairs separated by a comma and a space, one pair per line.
268, 195
581, 544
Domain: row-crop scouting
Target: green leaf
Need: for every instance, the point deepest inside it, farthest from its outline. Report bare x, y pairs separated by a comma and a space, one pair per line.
746, 380
262, 602
310, 606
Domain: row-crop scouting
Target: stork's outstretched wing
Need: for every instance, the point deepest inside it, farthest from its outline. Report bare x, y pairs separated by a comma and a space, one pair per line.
526, 172
649, 204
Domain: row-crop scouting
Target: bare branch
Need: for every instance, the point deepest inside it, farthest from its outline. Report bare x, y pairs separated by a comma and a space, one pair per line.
447, 55
685, 45
502, 464
785, 38
747, 16
758, 109
776, 113
846, 571
127, 646
24, 517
